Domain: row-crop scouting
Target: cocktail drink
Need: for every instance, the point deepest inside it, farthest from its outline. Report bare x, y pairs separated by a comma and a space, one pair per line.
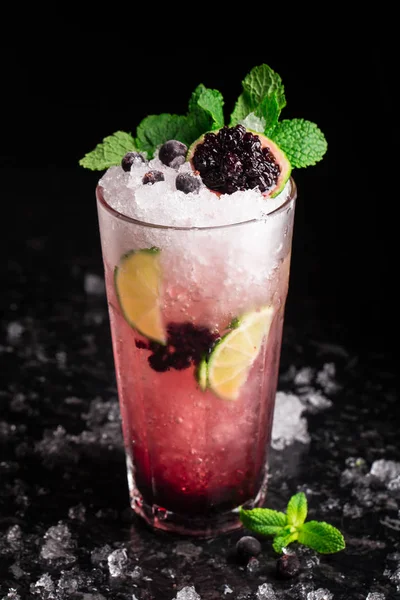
196, 241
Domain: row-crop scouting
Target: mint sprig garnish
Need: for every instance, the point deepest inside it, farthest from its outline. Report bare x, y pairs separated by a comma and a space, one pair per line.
258, 107
292, 526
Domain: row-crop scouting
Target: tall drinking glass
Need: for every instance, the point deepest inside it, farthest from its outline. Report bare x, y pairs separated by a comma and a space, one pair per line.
197, 407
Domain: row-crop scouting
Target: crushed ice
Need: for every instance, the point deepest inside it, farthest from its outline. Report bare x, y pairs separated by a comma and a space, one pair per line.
387, 471
94, 285
187, 593
58, 545
117, 562
163, 204
265, 592
320, 594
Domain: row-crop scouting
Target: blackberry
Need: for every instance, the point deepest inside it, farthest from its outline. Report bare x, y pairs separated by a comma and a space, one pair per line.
186, 345
152, 177
247, 547
130, 159
233, 159
287, 566
173, 153
187, 183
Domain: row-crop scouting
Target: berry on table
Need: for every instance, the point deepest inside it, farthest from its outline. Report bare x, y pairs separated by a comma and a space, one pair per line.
287, 566
248, 546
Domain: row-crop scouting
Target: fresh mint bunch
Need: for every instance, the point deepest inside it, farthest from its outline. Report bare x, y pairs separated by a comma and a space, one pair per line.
258, 108
292, 526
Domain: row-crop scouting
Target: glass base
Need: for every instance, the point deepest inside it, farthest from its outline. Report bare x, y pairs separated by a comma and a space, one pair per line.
206, 526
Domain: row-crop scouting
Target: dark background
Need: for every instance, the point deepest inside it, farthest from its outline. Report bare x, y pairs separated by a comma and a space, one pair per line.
64, 92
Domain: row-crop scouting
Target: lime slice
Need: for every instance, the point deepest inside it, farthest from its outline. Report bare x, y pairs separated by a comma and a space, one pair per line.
202, 374
231, 359
138, 285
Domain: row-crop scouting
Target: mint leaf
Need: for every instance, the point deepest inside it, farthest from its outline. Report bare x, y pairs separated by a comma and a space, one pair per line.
206, 105
320, 536
110, 152
242, 108
270, 111
296, 511
302, 141
262, 82
284, 539
154, 130
263, 520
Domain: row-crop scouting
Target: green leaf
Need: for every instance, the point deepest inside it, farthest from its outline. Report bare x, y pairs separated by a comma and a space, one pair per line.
262, 82
264, 521
154, 130
242, 109
320, 536
270, 111
302, 141
110, 152
207, 105
284, 539
297, 509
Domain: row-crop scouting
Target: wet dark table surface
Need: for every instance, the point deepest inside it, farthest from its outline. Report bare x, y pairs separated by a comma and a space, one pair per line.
66, 527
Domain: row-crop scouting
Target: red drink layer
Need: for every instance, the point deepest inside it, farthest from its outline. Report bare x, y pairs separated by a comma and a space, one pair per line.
190, 452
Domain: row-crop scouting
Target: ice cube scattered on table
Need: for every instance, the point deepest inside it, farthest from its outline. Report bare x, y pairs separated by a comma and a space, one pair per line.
317, 401
320, 594
265, 592
118, 563
394, 484
44, 586
304, 376
188, 550
57, 447
289, 425
58, 545
352, 511
14, 332
326, 378
94, 285
227, 589
137, 573
253, 566
14, 538
387, 471
99, 556
12, 595
187, 593
394, 576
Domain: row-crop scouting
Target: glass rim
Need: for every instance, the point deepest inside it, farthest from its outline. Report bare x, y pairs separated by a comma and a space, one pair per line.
292, 195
